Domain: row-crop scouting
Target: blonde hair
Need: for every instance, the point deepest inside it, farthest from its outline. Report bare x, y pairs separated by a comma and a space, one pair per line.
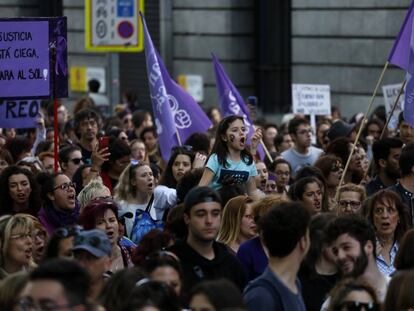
88, 192
231, 219
124, 189
8, 223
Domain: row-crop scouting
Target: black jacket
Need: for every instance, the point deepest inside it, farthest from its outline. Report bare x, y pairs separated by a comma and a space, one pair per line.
197, 268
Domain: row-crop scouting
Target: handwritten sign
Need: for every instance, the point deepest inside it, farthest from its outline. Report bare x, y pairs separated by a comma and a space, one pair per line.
390, 93
19, 113
28, 67
311, 99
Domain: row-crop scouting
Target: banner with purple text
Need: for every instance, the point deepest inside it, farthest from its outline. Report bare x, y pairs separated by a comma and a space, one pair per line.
19, 113
33, 58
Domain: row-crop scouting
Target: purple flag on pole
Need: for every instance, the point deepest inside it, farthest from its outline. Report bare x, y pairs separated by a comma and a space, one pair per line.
175, 111
400, 52
409, 90
164, 121
231, 102
188, 116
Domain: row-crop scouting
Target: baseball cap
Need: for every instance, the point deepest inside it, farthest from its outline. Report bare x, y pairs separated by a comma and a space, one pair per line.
93, 241
200, 195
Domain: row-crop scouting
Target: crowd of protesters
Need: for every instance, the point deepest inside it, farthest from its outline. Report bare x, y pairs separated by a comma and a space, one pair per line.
215, 226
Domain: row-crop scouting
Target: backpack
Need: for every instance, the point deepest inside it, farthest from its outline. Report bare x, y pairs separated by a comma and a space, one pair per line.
144, 223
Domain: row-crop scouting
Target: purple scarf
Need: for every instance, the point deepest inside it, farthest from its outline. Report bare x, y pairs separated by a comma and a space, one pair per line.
52, 218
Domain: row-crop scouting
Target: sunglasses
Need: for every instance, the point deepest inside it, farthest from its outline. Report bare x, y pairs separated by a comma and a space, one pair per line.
358, 306
76, 161
66, 232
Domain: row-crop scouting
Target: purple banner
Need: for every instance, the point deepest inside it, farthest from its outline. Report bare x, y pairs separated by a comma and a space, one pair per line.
164, 122
19, 113
24, 59
33, 56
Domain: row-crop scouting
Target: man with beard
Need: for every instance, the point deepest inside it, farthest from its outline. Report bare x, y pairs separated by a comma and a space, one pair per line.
201, 257
87, 123
405, 185
354, 247
386, 153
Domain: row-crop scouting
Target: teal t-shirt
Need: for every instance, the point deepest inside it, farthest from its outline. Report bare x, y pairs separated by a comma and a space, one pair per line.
240, 171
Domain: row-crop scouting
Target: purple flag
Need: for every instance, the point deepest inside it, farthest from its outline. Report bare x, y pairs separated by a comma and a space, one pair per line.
400, 52
188, 116
409, 90
185, 115
164, 121
231, 102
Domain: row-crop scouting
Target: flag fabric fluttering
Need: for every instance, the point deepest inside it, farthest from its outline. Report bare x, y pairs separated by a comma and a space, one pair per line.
401, 55
177, 115
231, 102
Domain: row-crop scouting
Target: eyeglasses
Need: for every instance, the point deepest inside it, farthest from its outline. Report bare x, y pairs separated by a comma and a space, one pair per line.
353, 204
336, 167
380, 210
21, 236
187, 148
76, 161
65, 186
66, 232
358, 306
305, 131
27, 304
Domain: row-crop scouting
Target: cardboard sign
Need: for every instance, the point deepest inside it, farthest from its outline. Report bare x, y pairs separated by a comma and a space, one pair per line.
33, 58
311, 99
19, 113
113, 26
390, 93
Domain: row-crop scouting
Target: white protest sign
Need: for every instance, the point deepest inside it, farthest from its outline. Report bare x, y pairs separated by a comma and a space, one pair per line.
311, 99
193, 84
390, 93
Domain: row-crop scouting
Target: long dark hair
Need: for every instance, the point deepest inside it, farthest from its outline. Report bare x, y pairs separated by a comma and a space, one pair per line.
220, 146
167, 178
5, 199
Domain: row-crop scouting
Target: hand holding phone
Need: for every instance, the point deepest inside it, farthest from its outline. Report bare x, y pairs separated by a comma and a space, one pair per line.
103, 142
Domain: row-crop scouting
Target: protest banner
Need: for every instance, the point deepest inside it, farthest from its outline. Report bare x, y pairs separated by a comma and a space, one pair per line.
311, 99
33, 64
33, 58
390, 93
19, 113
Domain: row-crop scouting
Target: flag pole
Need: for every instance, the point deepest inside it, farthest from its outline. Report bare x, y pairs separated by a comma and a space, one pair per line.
364, 119
178, 137
266, 151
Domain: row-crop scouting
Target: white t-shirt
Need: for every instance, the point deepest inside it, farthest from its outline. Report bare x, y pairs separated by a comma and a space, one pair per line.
298, 160
164, 198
